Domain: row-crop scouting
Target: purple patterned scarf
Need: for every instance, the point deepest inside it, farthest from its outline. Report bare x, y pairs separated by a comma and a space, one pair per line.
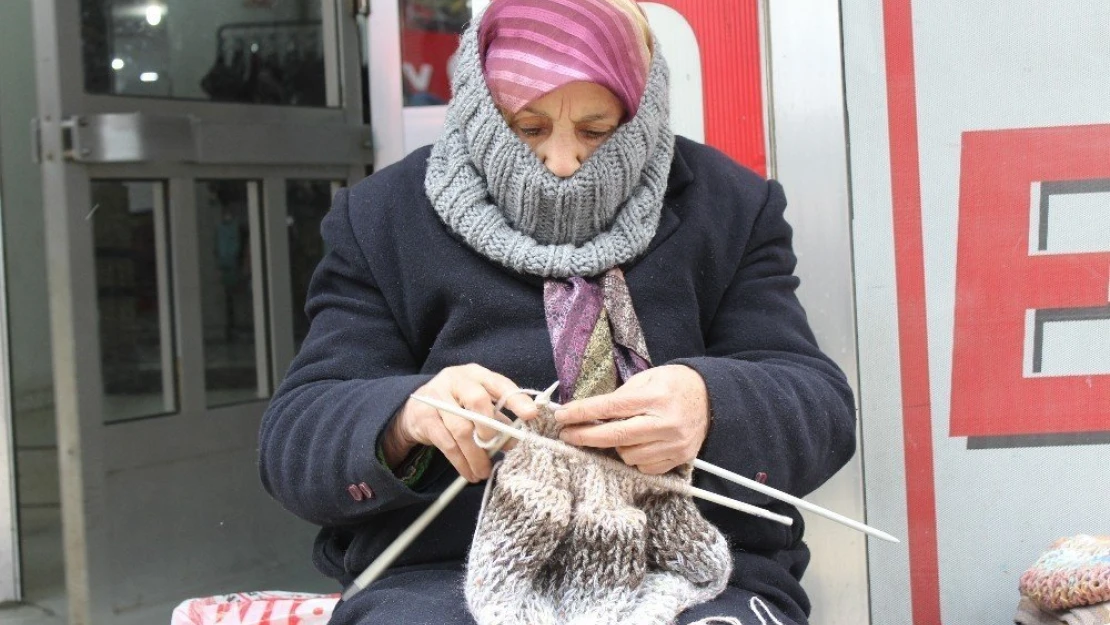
595, 334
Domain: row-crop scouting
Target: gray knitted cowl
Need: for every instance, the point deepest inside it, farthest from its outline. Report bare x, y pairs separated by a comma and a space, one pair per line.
491, 190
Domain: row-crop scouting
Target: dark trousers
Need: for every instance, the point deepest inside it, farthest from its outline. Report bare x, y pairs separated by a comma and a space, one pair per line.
435, 597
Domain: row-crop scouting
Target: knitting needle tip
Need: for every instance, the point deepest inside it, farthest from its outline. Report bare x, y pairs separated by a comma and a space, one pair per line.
883, 535
790, 499
545, 396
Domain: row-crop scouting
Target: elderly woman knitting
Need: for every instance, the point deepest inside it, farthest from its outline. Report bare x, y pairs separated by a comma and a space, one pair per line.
558, 230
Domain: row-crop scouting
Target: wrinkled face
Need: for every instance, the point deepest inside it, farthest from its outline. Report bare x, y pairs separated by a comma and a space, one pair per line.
565, 126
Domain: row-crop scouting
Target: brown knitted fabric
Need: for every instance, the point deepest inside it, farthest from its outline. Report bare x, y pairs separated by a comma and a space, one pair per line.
563, 540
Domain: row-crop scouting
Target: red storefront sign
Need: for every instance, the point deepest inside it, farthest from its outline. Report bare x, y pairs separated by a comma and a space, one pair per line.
425, 64
998, 281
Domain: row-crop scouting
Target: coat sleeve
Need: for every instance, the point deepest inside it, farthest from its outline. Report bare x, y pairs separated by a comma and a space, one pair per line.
780, 409
318, 439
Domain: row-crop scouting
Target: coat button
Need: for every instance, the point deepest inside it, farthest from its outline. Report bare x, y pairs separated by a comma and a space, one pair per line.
366, 490
761, 477
355, 492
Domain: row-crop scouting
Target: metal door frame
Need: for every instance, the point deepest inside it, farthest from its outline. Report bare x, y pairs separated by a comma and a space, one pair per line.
85, 443
10, 586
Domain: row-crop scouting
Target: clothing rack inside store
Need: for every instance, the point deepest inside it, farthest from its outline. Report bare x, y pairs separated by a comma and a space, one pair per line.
276, 62
290, 36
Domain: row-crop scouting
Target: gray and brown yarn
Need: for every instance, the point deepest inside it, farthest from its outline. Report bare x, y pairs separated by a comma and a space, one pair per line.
565, 541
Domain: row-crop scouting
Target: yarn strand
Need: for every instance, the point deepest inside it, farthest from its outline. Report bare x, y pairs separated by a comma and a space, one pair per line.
412, 532
659, 482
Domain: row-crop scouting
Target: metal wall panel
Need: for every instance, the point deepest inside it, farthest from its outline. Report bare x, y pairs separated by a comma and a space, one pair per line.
810, 158
9, 526
939, 94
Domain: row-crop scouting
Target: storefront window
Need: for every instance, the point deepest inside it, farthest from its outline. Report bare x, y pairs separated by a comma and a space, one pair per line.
307, 202
429, 38
250, 51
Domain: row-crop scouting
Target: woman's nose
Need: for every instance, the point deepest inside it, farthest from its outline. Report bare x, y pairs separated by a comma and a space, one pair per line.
562, 157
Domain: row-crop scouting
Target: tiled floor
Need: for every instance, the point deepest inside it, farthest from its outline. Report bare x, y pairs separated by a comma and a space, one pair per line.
43, 565
42, 570
44, 586
40, 532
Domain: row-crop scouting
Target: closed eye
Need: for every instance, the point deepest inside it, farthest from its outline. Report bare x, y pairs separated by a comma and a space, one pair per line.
595, 135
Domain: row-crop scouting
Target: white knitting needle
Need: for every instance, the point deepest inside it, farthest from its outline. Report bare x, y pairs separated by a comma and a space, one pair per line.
715, 470
399, 544
736, 478
671, 484
791, 499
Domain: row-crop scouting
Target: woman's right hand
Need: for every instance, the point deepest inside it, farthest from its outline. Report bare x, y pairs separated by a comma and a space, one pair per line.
470, 386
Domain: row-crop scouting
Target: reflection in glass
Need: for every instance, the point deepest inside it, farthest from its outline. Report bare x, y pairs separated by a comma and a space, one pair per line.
137, 358
232, 304
308, 201
256, 51
429, 38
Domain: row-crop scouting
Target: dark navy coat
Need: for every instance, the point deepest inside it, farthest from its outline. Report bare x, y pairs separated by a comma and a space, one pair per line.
398, 298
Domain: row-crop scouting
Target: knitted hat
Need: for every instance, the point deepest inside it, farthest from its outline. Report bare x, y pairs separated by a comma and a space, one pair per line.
530, 48
1075, 572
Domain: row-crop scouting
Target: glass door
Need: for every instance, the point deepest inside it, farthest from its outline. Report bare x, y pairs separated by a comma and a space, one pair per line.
189, 149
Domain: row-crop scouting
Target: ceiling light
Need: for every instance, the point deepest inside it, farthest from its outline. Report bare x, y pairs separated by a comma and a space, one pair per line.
154, 14
148, 76
117, 64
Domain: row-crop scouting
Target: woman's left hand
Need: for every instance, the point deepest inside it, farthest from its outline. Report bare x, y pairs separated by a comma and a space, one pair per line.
656, 421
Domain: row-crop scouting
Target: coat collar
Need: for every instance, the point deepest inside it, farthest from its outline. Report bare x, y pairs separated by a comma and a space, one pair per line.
680, 177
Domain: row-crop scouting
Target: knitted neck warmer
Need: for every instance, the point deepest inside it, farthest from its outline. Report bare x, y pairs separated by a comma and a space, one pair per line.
490, 189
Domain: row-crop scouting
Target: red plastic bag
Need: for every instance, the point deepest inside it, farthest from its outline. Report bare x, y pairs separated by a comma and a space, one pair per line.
256, 608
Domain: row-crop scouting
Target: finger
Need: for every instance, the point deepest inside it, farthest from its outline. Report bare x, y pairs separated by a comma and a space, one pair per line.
644, 454
445, 442
499, 386
523, 406
615, 405
463, 433
475, 398
622, 433
658, 468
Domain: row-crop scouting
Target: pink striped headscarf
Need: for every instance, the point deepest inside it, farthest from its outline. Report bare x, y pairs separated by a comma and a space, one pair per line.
530, 48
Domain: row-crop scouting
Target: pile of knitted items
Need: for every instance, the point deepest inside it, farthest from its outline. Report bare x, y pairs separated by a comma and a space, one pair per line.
565, 540
1070, 584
